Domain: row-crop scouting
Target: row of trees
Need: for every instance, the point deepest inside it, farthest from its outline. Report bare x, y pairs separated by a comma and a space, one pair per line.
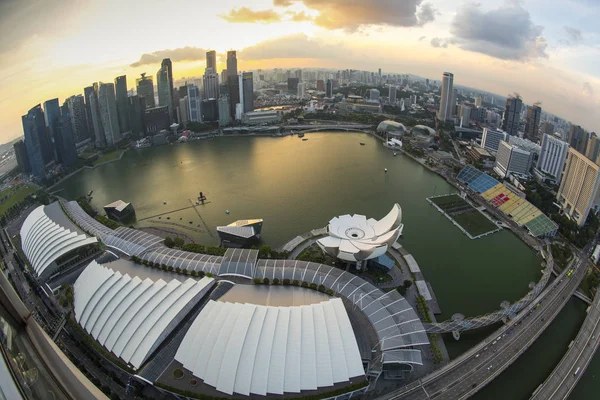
295, 282
164, 267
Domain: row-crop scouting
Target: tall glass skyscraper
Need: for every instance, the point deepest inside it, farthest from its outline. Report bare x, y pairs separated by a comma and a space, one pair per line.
34, 130
447, 99
233, 85
145, 89
121, 96
512, 116
77, 112
51, 116
194, 103
164, 80
108, 113
65, 141
247, 91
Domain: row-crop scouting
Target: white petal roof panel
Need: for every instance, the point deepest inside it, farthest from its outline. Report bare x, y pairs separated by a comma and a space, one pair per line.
293, 361
262, 361
276, 380
243, 380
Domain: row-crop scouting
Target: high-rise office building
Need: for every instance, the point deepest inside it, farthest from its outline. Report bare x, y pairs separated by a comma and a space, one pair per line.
478, 101
512, 116
211, 85
99, 137
194, 103
167, 65
392, 95
22, 157
321, 85
552, 158
87, 92
223, 78
108, 113
164, 89
34, 130
136, 105
145, 89
547, 127
184, 110
224, 113
232, 67
578, 190
210, 110
292, 85
532, 123
374, 95
247, 91
329, 89
490, 140
578, 138
211, 61
156, 119
77, 112
301, 89
593, 147
121, 96
51, 115
446, 98
511, 159
65, 141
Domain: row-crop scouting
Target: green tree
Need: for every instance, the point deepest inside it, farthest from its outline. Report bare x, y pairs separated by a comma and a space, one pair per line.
407, 283
266, 281
264, 251
179, 242
169, 242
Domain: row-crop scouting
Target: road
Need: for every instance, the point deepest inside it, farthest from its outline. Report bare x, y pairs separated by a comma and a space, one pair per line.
565, 376
472, 371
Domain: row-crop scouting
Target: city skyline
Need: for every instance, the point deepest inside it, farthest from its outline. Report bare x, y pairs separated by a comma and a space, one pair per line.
548, 58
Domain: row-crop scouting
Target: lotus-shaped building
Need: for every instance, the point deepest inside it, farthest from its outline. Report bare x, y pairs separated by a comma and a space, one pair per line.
356, 238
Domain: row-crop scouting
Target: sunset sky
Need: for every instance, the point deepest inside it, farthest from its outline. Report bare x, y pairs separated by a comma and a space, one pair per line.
546, 50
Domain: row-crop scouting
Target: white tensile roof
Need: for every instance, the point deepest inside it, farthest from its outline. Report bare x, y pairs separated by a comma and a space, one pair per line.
128, 316
119, 205
44, 240
356, 238
248, 348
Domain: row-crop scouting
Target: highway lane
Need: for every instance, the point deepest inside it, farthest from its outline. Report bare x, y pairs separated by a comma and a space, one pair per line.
565, 376
473, 370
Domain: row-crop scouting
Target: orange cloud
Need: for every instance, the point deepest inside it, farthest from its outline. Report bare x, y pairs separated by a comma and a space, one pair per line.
246, 15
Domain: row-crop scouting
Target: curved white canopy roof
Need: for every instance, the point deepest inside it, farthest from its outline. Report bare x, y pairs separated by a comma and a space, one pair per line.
131, 317
356, 238
248, 348
45, 237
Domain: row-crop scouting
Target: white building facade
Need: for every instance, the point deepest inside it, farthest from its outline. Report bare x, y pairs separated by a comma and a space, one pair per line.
491, 139
512, 159
553, 156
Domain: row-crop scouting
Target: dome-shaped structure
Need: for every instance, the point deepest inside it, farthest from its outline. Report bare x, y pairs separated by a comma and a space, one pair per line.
391, 127
356, 238
423, 130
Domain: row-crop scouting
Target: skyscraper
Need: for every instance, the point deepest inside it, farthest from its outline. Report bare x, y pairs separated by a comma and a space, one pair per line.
22, 157
145, 89
512, 115
65, 141
490, 140
77, 111
578, 190
446, 97
194, 103
552, 156
164, 89
321, 85
136, 105
247, 91
168, 66
121, 96
211, 61
329, 89
87, 92
51, 116
100, 138
232, 81
511, 159
34, 130
532, 123
578, 138
108, 113
184, 111
593, 147
292, 85
392, 95
211, 85
301, 89
224, 113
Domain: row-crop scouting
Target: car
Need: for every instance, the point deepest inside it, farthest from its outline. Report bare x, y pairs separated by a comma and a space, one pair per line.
490, 367
577, 371
477, 356
485, 349
499, 337
494, 342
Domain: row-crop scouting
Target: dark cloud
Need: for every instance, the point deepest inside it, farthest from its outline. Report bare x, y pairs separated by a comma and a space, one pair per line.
573, 34
246, 15
507, 33
354, 14
180, 54
422, 38
439, 42
22, 19
293, 46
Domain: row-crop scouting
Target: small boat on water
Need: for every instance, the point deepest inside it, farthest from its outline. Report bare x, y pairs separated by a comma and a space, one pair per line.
395, 154
305, 139
300, 135
226, 211
385, 170
362, 143
164, 202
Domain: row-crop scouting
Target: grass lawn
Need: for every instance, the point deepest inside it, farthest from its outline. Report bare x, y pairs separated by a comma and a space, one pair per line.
15, 196
113, 155
474, 222
449, 202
